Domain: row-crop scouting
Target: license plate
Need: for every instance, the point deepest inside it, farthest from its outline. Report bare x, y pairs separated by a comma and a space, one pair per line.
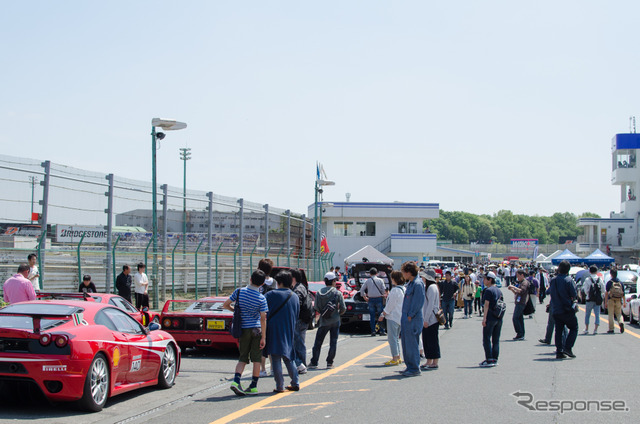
366, 317
215, 325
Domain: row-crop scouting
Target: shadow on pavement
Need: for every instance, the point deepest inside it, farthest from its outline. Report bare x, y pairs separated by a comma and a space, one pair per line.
233, 396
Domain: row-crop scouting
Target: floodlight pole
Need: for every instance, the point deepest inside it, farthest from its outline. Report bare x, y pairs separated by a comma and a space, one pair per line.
154, 218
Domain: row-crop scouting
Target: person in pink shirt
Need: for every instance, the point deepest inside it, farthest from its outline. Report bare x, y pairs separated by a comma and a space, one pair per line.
18, 288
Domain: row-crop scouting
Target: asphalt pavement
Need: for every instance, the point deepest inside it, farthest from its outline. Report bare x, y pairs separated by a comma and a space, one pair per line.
529, 385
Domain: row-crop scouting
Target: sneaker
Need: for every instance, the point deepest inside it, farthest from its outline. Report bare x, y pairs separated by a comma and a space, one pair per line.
610, 332
621, 327
391, 363
373, 334
293, 388
543, 341
263, 374
251, 391
302, 369
493, 362
278, 391
312, 367
585, 332
237, 389
330, 366
486, 364
411, 373
446, 327
518, 338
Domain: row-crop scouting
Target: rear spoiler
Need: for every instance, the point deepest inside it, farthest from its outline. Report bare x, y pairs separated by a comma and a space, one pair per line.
165, 308
47, 295
38, 317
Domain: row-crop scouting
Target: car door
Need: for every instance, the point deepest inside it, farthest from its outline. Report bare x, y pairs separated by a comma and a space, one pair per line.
122, 304
118, 350
144, 361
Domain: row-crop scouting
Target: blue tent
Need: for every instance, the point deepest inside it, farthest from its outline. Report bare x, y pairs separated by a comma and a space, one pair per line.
572, 258
598, 258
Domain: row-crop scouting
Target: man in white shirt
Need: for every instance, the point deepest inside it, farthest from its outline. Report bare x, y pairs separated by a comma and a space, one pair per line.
141, 283
34, 273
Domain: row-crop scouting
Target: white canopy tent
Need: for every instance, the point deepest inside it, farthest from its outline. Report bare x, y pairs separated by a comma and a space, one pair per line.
371, 254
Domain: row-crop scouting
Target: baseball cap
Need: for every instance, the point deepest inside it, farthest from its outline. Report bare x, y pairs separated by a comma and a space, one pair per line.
373, 271
330, 276
491, 275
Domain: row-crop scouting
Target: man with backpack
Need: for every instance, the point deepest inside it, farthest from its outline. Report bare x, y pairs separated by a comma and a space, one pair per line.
614, 300
593, 288
304, 319
330, 304
374, 292
494, 308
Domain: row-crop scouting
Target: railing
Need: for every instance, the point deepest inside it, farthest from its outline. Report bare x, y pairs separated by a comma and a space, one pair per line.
384, 246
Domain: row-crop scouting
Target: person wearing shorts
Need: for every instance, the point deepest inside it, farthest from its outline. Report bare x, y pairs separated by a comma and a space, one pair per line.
253, 313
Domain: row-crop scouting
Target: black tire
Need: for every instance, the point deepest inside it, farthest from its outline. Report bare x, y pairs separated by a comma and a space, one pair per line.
631, 320
168, 368
96, 385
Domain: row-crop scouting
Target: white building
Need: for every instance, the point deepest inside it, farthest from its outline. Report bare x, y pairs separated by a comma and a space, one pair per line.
618, 234
395, 229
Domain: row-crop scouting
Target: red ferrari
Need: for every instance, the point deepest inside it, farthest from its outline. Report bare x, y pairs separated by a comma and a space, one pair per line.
201, 323
144, 318
85, 352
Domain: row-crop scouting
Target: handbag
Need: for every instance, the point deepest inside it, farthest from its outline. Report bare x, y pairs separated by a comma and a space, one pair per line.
384, 297
236, 322
440, 316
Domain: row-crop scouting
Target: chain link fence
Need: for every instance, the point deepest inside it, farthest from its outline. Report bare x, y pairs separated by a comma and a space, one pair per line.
92, 223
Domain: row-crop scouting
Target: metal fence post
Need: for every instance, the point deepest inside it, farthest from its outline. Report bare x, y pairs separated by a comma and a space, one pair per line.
146, 252
304, 241
43, 220
266, 228
235, 275
165, 239
217, 251
113, 256
288, 212
251, 257
109, 212
173, 269
241, 235
209, 241
196, 265
80, 264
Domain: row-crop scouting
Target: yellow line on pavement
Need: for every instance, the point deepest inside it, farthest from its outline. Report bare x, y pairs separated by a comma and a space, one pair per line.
299, 404
284, 420
244, 411
626, 331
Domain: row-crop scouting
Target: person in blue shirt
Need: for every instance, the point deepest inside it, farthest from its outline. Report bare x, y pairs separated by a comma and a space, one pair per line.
253, 312
411, 320
284, 307
562, 290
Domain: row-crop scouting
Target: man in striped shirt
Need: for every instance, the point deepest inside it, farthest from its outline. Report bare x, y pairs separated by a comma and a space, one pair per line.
253, 312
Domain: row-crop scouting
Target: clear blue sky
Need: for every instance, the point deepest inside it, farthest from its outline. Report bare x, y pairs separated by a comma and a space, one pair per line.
478, 106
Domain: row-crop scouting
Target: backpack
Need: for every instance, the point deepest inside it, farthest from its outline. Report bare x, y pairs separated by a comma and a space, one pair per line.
595, 294
532, 288
306, 309
329, 307
500, 308
617, 291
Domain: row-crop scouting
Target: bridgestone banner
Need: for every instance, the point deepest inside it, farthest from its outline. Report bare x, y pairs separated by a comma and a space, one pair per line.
73, 234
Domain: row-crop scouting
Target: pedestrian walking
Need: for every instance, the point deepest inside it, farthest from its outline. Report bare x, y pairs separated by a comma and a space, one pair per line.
563, 294
19, 288
430, 322
284, 307
492, 321
123, 283
305, 317
477, 300
393, 313
141, 287
266, 265
468, 293
374, 293
448, 288
330, 304
594, 290
411, 319
520, 291
614, 300
253, 312
551, 325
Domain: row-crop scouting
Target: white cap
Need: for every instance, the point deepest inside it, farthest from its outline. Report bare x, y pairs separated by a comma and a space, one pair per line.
490, 274
330, 276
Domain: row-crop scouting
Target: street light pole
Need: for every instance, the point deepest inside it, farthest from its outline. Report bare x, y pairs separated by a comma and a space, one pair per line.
33, 180
185, 155
167, 125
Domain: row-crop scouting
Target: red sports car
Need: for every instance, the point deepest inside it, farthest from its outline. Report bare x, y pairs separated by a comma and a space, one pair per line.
84, 352
144, 318
200, 323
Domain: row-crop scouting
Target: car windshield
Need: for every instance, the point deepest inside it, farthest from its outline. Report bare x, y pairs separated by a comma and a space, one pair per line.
315, 287
624, 276
200, 306
630, 288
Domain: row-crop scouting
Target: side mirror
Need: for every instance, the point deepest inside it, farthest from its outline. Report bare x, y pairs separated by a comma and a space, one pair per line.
153, 327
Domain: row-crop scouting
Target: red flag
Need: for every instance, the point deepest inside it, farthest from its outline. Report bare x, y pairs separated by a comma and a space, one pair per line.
324, 246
